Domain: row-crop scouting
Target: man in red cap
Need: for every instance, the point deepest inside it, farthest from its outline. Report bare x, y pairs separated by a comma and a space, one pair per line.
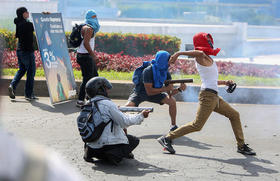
209, 100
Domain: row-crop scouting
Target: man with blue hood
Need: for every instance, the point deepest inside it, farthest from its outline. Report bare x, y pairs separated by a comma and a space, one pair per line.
85, 52
149, 85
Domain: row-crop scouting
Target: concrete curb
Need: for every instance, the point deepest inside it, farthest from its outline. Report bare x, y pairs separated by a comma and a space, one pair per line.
245, 95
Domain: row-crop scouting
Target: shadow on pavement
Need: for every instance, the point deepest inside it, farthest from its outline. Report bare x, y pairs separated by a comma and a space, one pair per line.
246, 163
66, 108
153, 136
186, 141
19, 100
129, 168
183, 141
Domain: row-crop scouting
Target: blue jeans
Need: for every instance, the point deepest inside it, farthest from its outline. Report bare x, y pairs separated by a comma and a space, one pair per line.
26, 62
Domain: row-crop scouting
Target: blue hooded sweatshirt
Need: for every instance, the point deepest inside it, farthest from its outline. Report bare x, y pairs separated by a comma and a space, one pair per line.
160, 68
93, 22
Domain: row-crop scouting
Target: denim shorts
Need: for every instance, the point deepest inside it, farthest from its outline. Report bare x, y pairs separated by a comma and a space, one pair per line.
137, 98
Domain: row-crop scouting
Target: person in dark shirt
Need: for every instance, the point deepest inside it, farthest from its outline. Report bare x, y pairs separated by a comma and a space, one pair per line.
25, 54
151, 86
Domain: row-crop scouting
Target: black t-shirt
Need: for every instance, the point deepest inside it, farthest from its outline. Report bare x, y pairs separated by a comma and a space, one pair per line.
147, 77
24, 34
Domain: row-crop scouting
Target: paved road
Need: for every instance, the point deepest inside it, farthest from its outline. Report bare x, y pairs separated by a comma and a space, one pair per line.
206, 155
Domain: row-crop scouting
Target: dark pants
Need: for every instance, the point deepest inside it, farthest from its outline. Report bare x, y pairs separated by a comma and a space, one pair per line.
26, 62
89, 70
118, 151
138, 98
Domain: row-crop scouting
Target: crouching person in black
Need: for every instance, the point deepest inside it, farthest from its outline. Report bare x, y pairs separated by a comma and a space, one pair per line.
113, 144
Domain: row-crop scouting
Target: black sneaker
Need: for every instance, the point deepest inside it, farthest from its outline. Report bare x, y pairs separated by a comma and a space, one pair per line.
90, 160
86, 155
80, 103
166, 143
173, 127
130, 156
245, 150
11, 92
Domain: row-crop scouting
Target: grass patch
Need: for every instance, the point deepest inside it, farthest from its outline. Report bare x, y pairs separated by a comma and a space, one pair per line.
113, 75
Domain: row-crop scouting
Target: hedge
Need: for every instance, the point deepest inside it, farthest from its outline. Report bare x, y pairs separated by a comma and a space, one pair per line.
126, 63
112, 43
9, 39
136, 44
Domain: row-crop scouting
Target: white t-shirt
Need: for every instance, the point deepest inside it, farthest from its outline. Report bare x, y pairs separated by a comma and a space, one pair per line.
208, 75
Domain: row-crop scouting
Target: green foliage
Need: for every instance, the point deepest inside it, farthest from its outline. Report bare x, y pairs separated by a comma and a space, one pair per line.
240, 80
111, 43
9, 37
114, 75
11, 41
135, 44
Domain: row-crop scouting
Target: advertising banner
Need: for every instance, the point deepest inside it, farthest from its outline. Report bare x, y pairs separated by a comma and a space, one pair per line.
55, 57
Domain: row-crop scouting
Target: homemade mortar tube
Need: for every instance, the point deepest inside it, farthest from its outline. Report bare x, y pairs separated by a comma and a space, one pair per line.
178, 81
135, 109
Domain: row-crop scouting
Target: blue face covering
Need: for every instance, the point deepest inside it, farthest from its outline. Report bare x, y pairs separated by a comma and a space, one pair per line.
160, 68
93, 22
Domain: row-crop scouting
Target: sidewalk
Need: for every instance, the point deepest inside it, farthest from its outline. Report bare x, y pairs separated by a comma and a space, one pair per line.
208, 155
122, 90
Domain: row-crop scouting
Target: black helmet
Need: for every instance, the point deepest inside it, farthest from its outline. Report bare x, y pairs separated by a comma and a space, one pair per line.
96, 86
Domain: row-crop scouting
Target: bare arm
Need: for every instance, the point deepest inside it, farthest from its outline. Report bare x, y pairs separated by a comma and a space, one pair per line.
87, 34
153, 91
200, 56
191, 53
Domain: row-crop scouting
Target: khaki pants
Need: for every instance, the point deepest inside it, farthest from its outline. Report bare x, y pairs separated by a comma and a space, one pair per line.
209, 102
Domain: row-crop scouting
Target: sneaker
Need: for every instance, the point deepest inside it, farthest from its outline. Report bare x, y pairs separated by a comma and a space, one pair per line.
130, 156
34, 97
80, 103
11, 92
245, 150
28, 98
173, 127
166, 143
90, 160
86, 155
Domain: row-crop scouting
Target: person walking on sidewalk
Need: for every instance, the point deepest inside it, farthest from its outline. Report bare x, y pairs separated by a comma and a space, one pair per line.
209, 100
85, 53
25, 54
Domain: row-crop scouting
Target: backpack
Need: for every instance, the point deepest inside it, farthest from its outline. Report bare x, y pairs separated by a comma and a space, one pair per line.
90, 129
138, 72
75, 38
